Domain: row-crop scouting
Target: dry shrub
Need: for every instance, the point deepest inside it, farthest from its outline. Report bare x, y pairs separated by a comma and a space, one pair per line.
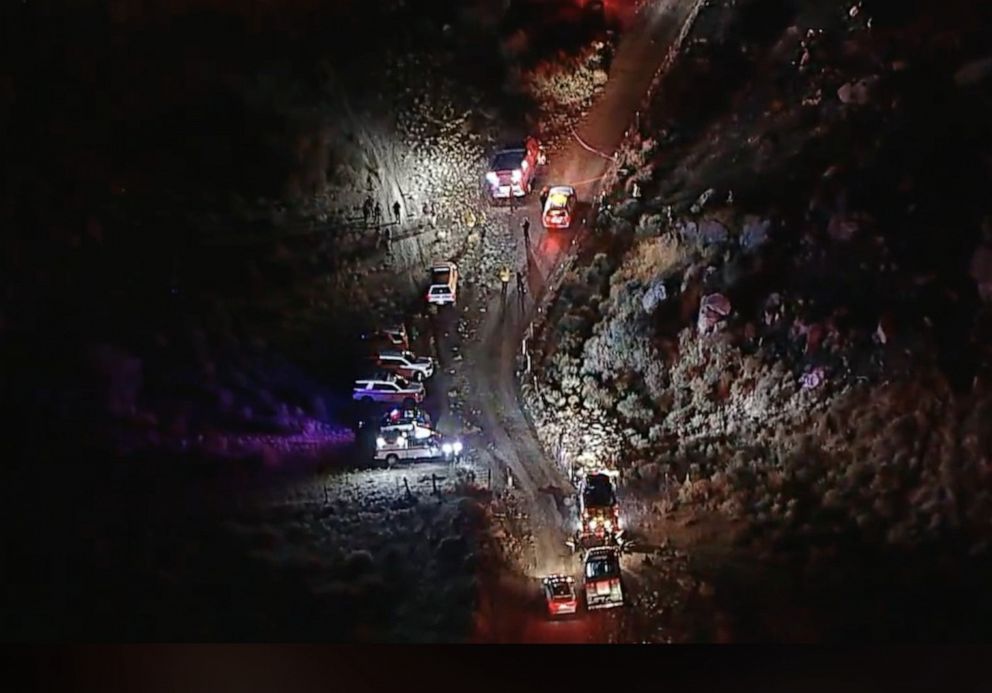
652, 258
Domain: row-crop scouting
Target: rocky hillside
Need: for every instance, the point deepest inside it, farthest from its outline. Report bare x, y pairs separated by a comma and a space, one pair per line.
788, 322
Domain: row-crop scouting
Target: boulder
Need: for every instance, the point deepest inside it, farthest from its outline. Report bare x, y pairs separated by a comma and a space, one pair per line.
712, 232
755, 233
713, 309
702, 200
842, 227
656, 294
858, 92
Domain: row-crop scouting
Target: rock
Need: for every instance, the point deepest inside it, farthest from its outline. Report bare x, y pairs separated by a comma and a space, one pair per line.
842, 227
712, 232
812, 378
858, 92
702, 200
713, 309
755, 232
688, 230
656, 293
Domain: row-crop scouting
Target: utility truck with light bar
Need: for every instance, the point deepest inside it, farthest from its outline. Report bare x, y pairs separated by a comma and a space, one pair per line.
511, 171
599, 515
394, 446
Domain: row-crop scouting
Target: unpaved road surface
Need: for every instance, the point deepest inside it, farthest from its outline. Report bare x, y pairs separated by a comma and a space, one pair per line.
508, 612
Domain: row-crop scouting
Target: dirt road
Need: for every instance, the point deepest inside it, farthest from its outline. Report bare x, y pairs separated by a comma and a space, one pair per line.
490, 359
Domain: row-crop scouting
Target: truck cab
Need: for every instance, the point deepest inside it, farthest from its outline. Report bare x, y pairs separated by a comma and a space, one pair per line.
511, 171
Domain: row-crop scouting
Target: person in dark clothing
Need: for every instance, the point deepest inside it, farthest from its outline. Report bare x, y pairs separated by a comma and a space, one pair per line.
545, 191
367, 210
525, 225
377, 213
521, 284
396, 210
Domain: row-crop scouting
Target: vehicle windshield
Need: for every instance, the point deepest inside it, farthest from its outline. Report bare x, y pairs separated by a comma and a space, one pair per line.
560, 589
558, 200
402, 382
508, 160
601, 568
598, 495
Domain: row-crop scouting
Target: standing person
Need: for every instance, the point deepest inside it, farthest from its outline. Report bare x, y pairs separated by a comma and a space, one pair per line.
367, 210
525, 225
504, 278
521, 286
545, 191
396, 210
377, 213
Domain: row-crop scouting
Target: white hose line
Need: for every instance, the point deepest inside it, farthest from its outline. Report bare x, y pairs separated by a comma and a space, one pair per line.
590, 148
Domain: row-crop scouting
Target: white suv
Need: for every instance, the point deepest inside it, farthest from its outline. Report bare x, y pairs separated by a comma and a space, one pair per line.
444, 284
388, 388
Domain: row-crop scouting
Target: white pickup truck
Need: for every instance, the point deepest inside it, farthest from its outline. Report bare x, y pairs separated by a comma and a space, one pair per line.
394, 446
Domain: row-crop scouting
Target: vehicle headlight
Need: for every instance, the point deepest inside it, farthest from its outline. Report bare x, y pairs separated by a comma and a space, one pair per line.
592, 523
457, 446
446, 448
608, 526
492, 178
517, 175
380, 442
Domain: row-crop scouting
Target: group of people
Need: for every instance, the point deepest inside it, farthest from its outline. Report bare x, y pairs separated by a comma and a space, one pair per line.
504, 278
504, 272
373, 210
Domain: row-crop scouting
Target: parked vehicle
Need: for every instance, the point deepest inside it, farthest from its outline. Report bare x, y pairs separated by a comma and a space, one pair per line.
406, 364
599, 513
559, 207
388, 388
444, 284
393, 447
603, 583
559, 595
393, 337
511, 171
406, 416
